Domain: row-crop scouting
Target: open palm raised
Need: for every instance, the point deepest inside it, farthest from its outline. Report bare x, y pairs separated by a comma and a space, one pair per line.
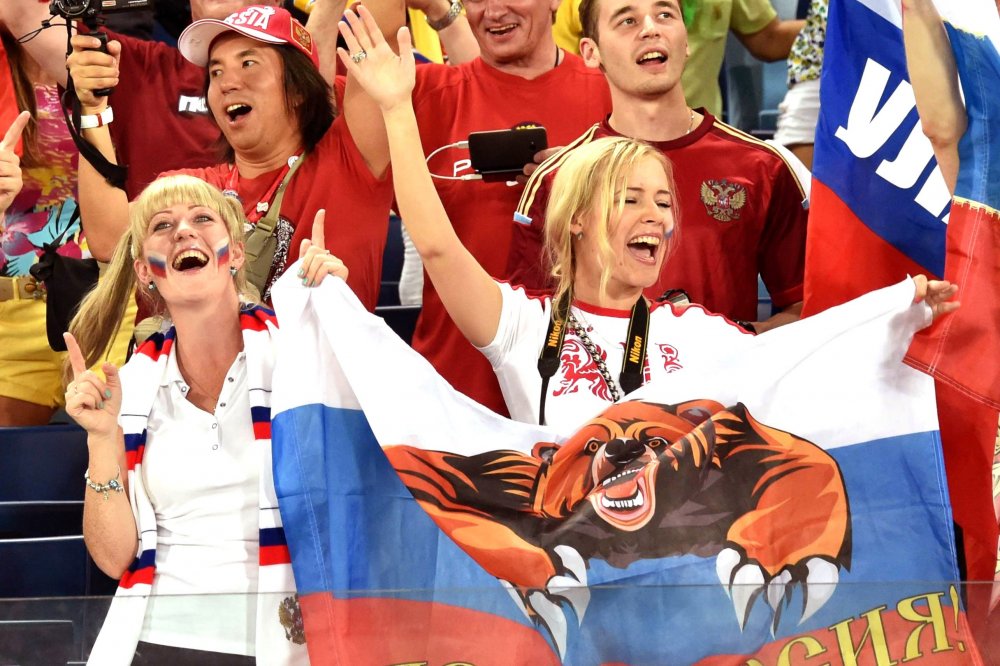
387, 78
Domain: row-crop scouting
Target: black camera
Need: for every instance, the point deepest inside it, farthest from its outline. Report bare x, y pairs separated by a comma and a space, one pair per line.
89, 11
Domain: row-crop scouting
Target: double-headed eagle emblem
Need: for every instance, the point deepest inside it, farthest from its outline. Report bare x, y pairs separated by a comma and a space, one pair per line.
724, 200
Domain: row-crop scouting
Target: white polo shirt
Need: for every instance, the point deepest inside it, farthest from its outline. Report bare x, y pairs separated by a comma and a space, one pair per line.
201, 472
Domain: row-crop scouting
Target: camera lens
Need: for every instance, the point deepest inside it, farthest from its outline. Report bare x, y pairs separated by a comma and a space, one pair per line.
72, 9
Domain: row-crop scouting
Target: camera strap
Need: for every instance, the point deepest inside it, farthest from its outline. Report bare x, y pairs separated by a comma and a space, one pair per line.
631, 376
548, 360
114, 174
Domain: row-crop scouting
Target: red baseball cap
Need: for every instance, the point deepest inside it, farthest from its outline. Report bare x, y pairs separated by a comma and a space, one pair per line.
271, 25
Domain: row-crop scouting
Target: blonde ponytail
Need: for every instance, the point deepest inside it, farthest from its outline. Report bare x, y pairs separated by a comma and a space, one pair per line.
102, 310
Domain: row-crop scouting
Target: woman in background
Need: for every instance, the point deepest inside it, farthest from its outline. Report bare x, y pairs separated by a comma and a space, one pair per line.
43, 213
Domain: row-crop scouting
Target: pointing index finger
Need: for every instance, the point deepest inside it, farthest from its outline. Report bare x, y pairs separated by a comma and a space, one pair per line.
75, 355
319, 229
13, 134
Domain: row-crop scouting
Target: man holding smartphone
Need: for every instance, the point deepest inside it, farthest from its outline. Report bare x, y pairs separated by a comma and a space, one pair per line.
521, 79
742, 209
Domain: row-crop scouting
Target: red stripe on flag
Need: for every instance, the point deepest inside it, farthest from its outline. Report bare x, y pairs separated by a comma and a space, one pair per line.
274, 555
968, 436
960, 348
341, 631
925, 628
844, 258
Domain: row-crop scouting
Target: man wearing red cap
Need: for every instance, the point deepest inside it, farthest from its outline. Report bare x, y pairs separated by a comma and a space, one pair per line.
161, 99
284, 149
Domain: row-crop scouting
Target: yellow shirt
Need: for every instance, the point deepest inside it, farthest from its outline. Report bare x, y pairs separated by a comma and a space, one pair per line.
567, 28
706, 38
425, 39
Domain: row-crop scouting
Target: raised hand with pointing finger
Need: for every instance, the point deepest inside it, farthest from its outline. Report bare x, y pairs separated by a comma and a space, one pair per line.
91, 401
317, 262
10, 163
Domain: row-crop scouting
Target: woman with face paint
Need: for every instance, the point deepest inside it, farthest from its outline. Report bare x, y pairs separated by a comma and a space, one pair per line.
181, 505
610, 225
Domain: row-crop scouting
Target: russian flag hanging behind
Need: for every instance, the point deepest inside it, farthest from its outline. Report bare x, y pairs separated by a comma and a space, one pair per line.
879, 203
880, 210
788, 504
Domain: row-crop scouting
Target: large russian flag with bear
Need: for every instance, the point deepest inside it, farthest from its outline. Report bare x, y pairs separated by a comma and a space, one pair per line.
788, 504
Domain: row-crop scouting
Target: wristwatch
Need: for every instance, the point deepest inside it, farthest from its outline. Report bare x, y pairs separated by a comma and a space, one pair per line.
97, 119
453, 11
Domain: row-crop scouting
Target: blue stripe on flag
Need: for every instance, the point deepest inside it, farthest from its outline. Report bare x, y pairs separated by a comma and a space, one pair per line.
858, 38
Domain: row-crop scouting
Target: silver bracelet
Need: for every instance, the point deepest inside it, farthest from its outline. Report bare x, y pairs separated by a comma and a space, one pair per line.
453, 11
114, 484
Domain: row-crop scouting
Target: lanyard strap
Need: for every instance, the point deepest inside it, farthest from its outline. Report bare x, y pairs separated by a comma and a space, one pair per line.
256, 240
266, 202
631, 375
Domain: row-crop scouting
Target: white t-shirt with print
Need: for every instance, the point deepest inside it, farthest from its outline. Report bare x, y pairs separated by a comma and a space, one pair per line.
678, 338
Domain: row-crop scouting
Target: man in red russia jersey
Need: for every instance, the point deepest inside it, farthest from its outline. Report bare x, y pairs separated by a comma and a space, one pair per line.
160, 101
521, 78
741, 207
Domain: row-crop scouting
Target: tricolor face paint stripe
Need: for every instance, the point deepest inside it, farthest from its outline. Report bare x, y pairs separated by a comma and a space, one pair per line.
157, 264
222, 252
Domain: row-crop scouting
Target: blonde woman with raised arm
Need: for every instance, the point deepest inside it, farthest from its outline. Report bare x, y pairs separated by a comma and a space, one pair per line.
610, 225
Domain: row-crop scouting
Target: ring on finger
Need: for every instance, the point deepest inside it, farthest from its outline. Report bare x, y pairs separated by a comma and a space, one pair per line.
359, 56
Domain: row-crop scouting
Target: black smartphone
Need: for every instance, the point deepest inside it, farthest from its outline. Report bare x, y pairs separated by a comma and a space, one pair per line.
502, 154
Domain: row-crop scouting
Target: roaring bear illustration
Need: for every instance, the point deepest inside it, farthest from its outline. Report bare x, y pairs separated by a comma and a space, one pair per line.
645, 480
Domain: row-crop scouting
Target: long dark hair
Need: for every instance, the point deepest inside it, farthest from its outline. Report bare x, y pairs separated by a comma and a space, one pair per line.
307, 95
24, 94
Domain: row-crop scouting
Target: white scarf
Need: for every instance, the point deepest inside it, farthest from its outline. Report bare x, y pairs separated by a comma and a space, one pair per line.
279, 621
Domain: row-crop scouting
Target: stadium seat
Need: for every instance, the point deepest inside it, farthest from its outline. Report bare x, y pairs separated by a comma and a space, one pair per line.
37, 642
392, 263
401, 318
41, 515
43, 567
45, 463
50, 567
764, 306
23, 520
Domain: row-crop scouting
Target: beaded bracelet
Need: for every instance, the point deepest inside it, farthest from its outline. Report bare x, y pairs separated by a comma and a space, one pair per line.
114, 484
